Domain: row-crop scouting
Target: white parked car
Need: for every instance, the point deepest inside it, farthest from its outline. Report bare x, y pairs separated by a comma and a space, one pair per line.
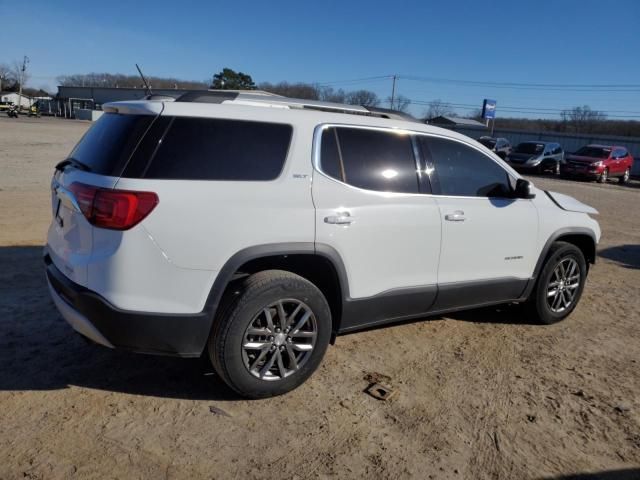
255, 229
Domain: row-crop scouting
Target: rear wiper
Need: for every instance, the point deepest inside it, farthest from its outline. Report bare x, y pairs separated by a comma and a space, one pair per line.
73, 162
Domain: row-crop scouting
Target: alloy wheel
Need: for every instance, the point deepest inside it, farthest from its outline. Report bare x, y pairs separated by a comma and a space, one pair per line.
563, 285
279, 340
626, 176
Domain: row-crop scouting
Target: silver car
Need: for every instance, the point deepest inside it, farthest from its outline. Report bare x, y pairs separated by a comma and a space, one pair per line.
538, 157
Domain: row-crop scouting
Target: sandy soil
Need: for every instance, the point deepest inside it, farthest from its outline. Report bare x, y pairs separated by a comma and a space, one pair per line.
479, 395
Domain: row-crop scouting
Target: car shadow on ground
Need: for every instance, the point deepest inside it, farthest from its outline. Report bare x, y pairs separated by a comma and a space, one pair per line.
627, 256
624, 474
39, 351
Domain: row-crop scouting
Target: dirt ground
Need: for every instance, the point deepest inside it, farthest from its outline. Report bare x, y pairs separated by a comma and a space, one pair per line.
479, 395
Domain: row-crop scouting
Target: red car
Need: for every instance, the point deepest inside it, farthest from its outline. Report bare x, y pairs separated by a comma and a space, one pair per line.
599, 162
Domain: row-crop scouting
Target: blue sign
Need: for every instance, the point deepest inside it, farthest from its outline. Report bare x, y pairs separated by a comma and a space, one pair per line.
488, 108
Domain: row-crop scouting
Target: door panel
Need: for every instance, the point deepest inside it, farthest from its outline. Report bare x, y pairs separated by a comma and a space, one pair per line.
486, 234
493, 238
369, 209
391, 240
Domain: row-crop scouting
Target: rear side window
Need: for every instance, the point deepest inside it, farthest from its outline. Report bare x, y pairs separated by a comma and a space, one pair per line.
371, 159
463, 171
220, 149
108, 144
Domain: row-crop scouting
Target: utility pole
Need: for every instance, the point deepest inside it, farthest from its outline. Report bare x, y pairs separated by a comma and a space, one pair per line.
25, 60
393, 90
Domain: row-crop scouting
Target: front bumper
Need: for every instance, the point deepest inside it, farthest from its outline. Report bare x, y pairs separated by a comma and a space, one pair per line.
183, 335
582, 171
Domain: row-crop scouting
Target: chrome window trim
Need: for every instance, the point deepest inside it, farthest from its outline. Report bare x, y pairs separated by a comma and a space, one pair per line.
316, 147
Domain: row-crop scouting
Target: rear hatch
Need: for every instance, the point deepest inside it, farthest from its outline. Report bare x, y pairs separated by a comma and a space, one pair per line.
94, 165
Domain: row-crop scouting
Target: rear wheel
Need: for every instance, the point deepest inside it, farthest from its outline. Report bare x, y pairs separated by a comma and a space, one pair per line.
271, 334
603, 176
559, 285
625, 178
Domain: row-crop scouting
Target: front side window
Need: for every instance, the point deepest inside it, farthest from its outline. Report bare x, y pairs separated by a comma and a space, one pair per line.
370, 159
464, 171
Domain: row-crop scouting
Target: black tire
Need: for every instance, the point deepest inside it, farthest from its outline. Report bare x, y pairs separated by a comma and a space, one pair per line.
243, 308
603, 176
538, 306
625, 177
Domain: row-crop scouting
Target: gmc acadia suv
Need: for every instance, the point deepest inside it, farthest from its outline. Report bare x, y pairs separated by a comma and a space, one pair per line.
256, 228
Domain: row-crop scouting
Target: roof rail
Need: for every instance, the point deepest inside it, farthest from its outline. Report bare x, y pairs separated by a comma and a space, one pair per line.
256, 98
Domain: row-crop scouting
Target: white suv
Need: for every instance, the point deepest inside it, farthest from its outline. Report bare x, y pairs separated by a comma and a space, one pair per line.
256, 228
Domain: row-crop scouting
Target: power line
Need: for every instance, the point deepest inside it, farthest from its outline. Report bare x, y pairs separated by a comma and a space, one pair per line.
509, 107
577, 87
356, 80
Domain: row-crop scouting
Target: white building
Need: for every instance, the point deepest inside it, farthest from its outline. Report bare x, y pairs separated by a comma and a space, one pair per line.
25, 101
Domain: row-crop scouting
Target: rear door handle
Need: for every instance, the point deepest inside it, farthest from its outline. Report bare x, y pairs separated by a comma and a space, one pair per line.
457, 216
342, 218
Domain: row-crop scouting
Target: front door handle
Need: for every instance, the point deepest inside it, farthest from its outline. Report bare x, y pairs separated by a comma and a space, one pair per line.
457, 216
342, 218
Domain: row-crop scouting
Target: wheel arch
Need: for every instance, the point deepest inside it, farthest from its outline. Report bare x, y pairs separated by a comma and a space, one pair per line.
318, 263
581, 237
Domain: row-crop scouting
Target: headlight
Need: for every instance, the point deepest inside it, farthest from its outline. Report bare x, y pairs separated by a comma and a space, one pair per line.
534, 161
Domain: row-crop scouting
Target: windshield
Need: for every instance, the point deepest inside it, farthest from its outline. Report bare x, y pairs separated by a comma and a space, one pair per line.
594, 152
488, 142
530, 148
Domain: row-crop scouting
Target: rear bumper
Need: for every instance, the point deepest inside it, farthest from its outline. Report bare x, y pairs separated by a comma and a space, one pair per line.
183, 335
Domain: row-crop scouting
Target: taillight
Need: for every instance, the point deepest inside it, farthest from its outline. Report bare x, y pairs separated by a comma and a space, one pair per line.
113, 209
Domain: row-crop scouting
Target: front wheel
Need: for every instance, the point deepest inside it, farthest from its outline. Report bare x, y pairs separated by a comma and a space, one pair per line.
271, 334
625, 178
603, 176
559, 285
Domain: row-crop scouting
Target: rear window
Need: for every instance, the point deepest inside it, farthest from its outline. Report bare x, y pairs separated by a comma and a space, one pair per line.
108, 144
220, 149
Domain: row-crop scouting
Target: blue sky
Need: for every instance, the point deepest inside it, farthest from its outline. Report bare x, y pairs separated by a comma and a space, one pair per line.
543, 42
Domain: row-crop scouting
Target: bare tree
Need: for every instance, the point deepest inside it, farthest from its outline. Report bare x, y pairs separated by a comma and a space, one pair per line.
6, 76
582, 119
292, 90
437, 108
328, 94
115, 80
365, 98
400, 103
18, 74
476, 114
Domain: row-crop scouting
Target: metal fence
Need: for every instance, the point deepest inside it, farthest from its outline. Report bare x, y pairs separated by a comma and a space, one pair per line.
569, 141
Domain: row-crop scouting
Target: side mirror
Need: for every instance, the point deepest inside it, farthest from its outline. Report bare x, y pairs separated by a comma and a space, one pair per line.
524, 189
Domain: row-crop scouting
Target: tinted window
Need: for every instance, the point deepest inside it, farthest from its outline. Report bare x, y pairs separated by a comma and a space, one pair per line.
220, 149
594, 152
530, 148
487, 142
370, 159
463, 171
108, 144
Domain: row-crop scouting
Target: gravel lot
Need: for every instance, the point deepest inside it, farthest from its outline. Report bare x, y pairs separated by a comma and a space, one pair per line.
479, 395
